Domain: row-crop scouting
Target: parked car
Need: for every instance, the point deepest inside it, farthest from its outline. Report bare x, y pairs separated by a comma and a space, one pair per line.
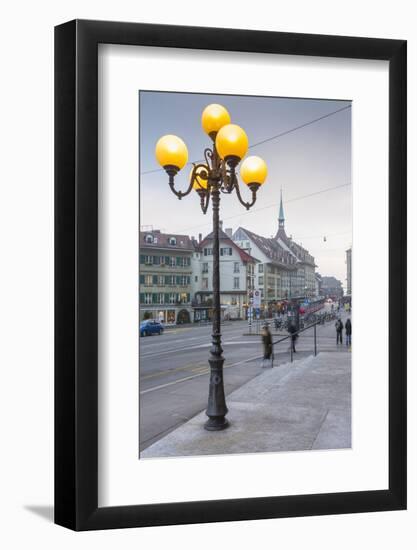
150, 326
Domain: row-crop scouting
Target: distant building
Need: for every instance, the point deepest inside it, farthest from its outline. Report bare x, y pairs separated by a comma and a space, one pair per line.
236, 275
165, 274
276, 272
286, 269
349, 271
305, 264
332, 288
319, 282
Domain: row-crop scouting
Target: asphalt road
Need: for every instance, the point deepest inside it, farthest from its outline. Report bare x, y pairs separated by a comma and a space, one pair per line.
174, 372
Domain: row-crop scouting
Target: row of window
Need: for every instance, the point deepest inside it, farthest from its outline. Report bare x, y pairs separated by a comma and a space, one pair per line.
160, 298
153, 239
236, 267
236, 283
164, 280
284, 284
173, 261
224, 251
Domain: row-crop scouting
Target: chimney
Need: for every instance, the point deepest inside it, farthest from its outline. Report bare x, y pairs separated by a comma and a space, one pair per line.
200, 237
229, 232
221, 225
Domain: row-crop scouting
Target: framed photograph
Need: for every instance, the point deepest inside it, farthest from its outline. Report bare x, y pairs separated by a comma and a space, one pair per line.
229, 205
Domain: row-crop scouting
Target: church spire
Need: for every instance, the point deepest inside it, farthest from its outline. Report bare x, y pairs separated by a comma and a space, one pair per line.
281, 219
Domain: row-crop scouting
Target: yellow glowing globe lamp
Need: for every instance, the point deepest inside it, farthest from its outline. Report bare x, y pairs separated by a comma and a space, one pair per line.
171, 151
199, 183
232, 142
214, 117
253, 170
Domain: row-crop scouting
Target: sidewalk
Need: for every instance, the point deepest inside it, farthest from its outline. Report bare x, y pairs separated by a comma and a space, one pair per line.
303, 406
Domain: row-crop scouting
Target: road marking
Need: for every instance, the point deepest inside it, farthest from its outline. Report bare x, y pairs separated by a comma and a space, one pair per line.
191, 366
206, 371
161, 386
169, 342
227, 342
171, 350
197, 346
169, 384
145, 342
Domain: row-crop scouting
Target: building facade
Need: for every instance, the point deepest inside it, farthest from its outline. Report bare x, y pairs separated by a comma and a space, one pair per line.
176, 273
165, 277
285, 270
332, 288
305, 284
275, 273
349, 271
237, 273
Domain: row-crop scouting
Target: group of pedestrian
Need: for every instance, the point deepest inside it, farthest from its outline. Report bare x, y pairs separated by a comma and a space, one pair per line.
339, 332
268, 346
268, 354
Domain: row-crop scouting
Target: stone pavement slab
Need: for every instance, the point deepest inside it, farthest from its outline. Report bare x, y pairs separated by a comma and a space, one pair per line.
300, 406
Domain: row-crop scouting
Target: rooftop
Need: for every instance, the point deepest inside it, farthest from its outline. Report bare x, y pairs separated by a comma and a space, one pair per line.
156, 239
224, 237
271, 248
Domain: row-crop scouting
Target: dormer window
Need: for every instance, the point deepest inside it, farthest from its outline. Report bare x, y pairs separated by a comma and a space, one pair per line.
149, 239
172, 241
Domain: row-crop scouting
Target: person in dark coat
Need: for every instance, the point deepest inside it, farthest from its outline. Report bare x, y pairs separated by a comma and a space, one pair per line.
292, 330
267, 344
348, 332
339, 331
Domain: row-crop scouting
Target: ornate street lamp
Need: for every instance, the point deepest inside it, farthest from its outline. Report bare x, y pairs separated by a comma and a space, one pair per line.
217, 174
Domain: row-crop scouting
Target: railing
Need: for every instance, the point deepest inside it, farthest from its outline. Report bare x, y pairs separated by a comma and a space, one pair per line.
290, 336
255, 325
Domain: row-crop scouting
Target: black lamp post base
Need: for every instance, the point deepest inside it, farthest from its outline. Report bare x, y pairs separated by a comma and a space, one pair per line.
216, 423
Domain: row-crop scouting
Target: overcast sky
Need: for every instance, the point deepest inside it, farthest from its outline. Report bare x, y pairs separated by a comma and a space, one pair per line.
307, 160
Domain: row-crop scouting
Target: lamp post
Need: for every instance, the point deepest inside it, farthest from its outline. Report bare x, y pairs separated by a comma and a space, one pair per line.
215, 175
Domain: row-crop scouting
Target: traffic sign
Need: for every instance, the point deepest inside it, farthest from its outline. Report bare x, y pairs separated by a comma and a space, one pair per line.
257, 295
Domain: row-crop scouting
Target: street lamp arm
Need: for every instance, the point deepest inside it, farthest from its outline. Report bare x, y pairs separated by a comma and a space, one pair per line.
193, 180
253, 187
208, 156
203, 174
179, 194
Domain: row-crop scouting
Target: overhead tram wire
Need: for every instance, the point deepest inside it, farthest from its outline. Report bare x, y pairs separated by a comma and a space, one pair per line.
281, 134
312, 194
271, 206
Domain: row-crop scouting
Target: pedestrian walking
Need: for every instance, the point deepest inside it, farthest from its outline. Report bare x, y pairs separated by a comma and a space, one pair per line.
348, 332
293, 331
339, 331
267, 345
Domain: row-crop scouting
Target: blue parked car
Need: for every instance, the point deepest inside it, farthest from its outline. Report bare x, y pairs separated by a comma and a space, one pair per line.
150, 326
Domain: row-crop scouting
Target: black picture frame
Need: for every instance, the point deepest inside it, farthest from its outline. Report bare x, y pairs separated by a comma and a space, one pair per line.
76, 272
